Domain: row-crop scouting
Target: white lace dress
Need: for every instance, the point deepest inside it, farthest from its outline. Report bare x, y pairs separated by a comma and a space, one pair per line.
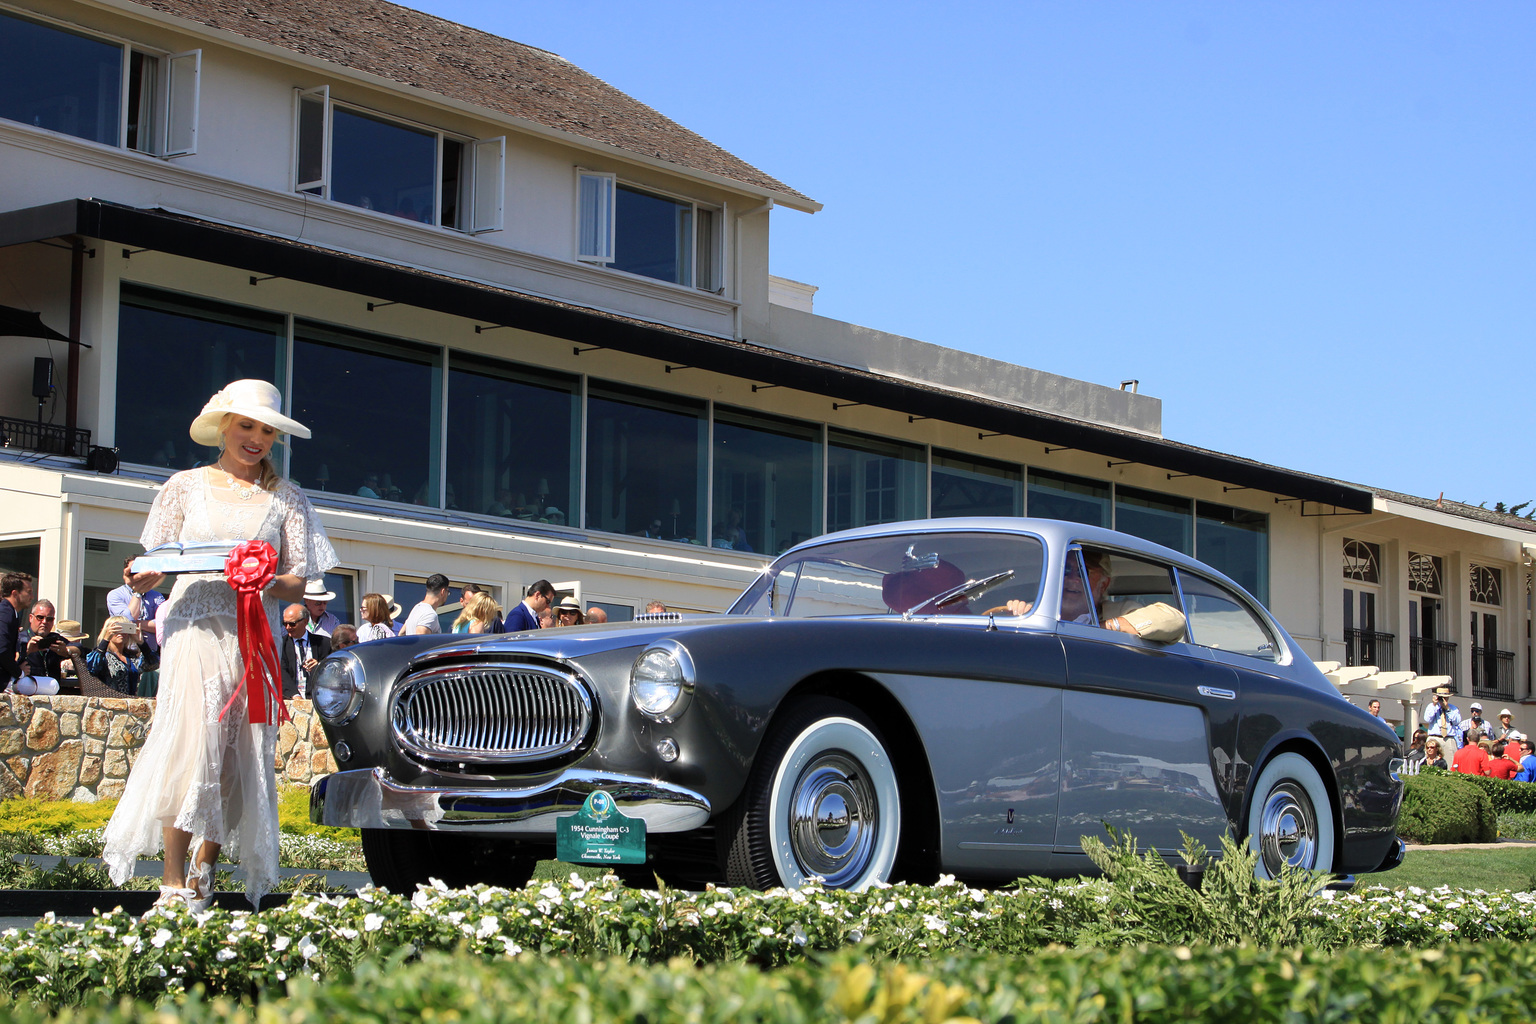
213, 779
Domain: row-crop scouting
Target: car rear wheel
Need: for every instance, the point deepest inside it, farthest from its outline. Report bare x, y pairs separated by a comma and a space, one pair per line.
401, 859
1290, 820
822, 802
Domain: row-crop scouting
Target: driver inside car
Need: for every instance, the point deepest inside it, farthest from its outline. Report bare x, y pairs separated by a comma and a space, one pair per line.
1158, 621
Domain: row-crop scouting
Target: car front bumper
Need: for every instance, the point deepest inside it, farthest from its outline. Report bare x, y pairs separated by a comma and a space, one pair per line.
368, 798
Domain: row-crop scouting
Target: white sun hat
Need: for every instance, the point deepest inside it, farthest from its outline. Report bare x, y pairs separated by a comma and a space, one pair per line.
254, 398
316, 590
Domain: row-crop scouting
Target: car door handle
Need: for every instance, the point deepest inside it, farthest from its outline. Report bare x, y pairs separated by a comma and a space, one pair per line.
1216, 691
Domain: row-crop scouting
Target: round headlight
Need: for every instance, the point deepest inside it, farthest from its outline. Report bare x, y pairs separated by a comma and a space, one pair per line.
661, 680
337, 688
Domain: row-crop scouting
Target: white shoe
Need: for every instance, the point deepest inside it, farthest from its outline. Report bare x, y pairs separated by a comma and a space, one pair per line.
171, 898
199, 888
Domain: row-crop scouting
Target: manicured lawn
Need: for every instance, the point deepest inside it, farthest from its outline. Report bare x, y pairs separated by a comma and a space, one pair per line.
1507, 868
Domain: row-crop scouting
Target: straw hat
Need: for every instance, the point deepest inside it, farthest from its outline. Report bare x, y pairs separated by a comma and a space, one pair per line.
395, 610
70, 630
254, 398
569, 604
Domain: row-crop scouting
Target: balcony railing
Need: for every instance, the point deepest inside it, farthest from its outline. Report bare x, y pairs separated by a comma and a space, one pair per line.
1366, 647
44, 438
1431, 657
1493, 673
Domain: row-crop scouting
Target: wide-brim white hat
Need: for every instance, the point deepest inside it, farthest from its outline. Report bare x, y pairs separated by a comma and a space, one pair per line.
254, 398
395, 610
315, 590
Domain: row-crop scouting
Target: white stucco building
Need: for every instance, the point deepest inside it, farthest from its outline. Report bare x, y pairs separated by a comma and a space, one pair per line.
531, 323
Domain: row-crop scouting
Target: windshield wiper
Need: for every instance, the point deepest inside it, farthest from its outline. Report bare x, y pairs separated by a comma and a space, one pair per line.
964, 591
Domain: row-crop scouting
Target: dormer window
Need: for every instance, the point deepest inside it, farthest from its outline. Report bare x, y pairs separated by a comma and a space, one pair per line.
98, 89
645, 232
365, 159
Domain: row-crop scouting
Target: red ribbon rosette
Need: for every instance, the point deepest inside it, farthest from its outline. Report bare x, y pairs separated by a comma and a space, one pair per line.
251, 566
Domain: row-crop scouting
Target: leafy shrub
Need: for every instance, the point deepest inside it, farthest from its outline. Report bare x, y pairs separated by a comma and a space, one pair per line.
1507, 795
1149, 903
1168, 985
293, 818
53, 817
1446, 807
1513, 825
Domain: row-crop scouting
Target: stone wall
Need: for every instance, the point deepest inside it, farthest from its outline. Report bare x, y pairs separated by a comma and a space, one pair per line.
81, 748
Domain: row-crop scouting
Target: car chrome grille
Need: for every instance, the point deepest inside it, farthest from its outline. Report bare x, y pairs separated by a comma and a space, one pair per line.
492, 713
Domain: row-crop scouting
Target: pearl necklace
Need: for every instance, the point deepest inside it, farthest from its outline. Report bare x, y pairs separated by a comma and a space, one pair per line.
243, 492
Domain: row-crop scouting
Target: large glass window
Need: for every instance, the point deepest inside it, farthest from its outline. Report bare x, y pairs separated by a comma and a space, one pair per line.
767, 482
873, 480
71, 83
966, 486
1234, 541
1160, 518
173, 352
53, 79
512, 448
373, 406
383, 165
414, 173
645, 463
1072, 498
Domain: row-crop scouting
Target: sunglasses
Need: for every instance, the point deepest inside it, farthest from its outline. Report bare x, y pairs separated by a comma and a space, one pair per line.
42, 618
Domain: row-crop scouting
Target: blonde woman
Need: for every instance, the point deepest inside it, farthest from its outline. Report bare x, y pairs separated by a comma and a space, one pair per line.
378, 620
477, 615
119, 658
204, 771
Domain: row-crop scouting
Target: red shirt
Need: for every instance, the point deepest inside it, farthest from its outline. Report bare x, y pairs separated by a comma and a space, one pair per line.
1471, 760
1503, 768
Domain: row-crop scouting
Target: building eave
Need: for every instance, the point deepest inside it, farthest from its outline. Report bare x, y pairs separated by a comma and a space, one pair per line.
262, 254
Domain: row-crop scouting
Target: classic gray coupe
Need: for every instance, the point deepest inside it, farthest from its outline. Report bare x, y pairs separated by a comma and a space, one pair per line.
971, 696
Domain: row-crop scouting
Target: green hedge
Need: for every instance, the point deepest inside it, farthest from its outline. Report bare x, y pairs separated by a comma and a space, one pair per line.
1446, 807
1507, 795
1173, 985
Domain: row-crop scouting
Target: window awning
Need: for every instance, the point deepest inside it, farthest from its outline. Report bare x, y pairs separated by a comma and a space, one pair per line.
261, 254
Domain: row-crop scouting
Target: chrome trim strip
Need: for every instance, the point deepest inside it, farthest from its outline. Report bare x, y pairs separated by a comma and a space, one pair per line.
367, 798
1216, 691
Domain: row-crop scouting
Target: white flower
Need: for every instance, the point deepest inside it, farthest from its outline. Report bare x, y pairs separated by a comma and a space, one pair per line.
933, 924
225, 955
281, 944
307, 948
1446, 926
347, 933
549, 892
511, 948
489, 925
161, 938
765, 930
373, 922
421, 900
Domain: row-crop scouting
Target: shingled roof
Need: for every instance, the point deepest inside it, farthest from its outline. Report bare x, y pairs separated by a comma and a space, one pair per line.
466, 64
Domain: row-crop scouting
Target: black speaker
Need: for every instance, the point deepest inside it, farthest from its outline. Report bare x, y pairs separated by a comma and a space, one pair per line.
102, 460
42, 377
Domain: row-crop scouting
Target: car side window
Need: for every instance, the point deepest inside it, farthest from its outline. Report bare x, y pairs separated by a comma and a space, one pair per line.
1135, 595
1220, 620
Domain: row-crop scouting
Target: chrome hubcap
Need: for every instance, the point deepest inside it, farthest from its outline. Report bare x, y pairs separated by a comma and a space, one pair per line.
1288, 829
833, 819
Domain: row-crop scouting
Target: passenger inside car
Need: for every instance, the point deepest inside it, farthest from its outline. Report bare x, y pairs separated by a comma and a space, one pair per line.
1087, 604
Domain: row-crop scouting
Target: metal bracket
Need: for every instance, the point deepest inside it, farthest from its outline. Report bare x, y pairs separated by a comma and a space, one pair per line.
844, 405
130, 253
764, 387
577, 350
380, 305
269, 277
493, 327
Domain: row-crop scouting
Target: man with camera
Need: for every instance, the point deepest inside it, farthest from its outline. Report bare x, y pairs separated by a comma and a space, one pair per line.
49, 644
1442, 719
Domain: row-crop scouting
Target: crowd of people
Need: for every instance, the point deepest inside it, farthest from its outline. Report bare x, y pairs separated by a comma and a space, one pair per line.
1471, 745
44, 654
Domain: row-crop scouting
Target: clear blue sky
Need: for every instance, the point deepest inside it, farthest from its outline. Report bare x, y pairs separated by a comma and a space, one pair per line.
1309, 228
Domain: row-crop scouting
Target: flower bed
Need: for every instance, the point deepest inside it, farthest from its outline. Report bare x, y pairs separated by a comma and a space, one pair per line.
320, 937
1153, 985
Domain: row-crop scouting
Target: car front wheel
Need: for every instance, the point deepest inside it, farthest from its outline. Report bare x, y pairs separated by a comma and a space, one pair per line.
822, 802
1290, 820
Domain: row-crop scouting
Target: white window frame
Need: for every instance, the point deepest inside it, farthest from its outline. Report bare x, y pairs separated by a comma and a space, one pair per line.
166, 82
484, 163
597, 226
183, 102
596, 195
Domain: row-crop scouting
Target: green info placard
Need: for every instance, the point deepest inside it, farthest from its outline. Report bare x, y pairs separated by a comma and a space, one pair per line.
600, 834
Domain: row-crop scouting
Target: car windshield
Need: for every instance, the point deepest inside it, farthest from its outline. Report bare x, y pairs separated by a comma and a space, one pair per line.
899, 573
